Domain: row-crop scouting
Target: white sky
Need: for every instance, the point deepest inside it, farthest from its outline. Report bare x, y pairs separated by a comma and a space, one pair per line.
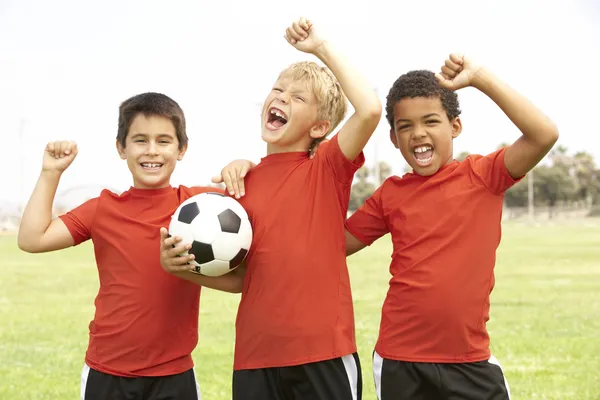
65, 66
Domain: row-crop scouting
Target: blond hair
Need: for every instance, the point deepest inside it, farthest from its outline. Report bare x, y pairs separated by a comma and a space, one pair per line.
331, 100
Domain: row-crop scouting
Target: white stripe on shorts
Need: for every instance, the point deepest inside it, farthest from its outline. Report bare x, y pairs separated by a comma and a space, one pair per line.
352, 372
197, 385
85, 373
377, 368
494, 360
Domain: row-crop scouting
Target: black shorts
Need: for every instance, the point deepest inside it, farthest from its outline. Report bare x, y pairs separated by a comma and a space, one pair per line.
96, 385
336, 379
400, 380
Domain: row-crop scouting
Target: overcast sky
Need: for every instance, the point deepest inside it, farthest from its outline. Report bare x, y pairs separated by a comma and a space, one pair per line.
65, 66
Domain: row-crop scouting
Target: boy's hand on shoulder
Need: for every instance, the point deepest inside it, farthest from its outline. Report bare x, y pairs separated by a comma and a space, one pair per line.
458, 72
233, 177
303, 35
170, 251
58, 156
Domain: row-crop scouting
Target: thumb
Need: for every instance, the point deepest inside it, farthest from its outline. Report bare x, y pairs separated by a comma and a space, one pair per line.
217, 179
444, 82
164, 234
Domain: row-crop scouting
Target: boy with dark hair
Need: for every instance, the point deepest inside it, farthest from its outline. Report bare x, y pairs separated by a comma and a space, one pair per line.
295, 326
445, 223
146, 321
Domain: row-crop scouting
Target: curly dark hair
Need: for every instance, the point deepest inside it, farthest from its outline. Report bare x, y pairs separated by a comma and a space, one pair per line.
420, 83
150, 104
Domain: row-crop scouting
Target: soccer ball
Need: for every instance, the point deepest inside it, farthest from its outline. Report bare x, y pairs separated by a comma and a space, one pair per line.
218, 229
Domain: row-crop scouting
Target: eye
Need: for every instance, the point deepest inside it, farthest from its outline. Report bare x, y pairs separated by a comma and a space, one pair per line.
277, 90
139, 141
164, 141
300, 98
401, 127
432, 122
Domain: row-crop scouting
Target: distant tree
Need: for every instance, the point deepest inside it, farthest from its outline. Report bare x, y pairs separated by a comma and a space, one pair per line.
361, 189
553, 184
517, 195
586, 174
385, 170
462, 156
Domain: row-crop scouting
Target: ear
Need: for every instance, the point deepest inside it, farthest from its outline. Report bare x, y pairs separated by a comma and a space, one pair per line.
121, 150
320, 129
182, 153
394, 138
456, 127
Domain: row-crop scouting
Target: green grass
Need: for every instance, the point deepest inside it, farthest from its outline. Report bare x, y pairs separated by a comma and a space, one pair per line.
545, 324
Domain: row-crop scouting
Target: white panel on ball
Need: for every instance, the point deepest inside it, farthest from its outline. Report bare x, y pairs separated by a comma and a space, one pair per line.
227, 245
215, 268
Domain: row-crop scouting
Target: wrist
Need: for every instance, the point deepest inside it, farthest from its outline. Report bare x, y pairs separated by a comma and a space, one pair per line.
323, 51
483, 79
51, 173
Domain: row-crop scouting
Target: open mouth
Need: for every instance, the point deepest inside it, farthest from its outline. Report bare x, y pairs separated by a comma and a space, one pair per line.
275, 119
151, 166
423, 154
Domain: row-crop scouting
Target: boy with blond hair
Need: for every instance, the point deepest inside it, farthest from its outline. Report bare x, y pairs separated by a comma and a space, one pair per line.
295, 334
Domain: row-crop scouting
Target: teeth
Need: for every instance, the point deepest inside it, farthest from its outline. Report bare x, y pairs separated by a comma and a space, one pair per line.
422, 149
151, 165
277, 113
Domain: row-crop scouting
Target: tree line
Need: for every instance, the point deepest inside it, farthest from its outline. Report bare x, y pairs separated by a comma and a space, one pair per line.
564, 178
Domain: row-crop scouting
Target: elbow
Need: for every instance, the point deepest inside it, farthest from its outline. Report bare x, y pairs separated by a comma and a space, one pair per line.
373, 112
552, 135
549, 136
26, 246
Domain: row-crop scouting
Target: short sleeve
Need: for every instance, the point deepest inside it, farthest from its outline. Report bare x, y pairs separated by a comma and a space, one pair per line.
343, 169
79, 220
368, 224
492, 171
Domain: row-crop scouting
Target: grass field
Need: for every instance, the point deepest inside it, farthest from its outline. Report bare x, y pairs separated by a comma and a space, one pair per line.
545, 324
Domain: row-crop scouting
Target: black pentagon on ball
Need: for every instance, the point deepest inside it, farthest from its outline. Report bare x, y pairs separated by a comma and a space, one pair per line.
230, 221
202, 252
239, 257
188, 213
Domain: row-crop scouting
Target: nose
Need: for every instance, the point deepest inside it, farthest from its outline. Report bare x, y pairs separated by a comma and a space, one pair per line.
282, 97
152, 148
418, 132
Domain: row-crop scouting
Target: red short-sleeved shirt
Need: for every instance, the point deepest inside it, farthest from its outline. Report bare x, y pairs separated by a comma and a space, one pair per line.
445, 230
296, 305
146, 321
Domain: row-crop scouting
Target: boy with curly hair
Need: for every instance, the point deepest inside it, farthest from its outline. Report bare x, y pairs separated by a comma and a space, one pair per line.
445, 221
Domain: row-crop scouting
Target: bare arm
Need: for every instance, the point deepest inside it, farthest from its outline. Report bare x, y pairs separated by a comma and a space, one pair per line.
177, 265
231, 282
355, 134
353, 245
539, 132
38, 232
357, 131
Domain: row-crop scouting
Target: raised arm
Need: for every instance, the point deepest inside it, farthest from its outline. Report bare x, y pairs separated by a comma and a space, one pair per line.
38, 232
355, 133
539, 132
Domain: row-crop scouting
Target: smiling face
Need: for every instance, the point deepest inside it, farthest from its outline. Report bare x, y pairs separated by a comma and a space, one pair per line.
424, 133
151, 150
289, 116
